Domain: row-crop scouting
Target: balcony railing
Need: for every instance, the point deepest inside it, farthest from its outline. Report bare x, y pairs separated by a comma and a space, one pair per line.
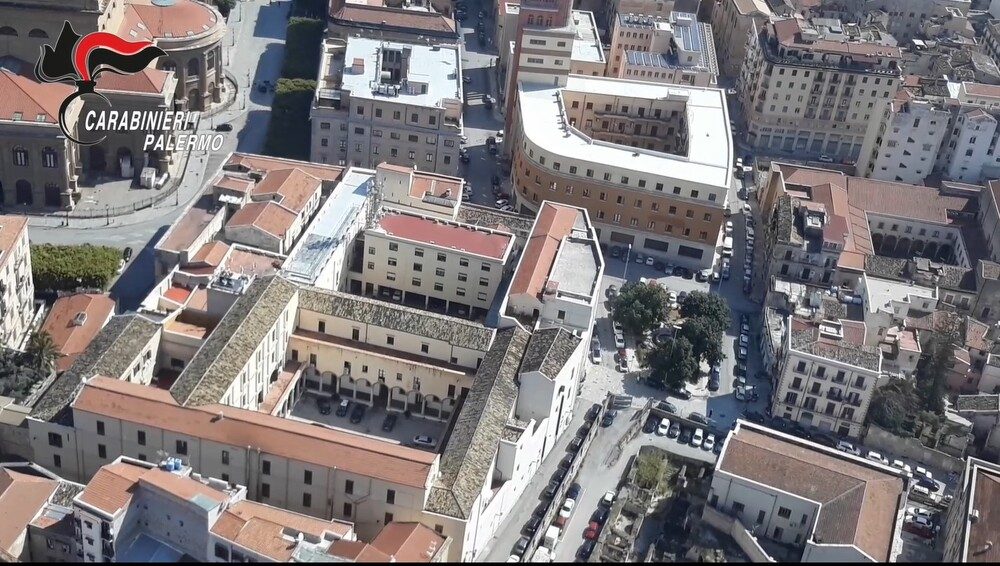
834, 396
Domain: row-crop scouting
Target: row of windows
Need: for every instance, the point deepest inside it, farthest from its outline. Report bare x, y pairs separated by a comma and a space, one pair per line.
419, 252
19, 155
397, 115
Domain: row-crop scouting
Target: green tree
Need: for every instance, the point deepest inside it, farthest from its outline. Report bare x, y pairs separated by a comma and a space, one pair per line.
705, 341
66, 268
17, 377
42, 351
932, 373
672, 364
649, 468
712, 308
288, 131
303, 46
894, 407
639, 307
225, 6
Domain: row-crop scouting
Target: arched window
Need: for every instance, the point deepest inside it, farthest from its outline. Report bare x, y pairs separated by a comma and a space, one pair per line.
24, 195
9, 31
20, 156
53, 195
531, 20
193, 68
210, 60
169, 65
38, 33
50, 158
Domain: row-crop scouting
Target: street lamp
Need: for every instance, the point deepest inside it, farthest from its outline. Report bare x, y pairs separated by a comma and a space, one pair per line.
107, 215
625, 273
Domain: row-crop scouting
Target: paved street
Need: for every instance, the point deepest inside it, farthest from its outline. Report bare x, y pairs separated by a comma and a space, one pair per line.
258, 29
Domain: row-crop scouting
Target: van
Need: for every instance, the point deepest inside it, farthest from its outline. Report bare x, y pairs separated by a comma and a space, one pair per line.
727, 246
551, 537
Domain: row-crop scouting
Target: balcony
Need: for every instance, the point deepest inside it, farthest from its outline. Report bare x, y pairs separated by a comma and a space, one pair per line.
854, 401
107, 533
834, 396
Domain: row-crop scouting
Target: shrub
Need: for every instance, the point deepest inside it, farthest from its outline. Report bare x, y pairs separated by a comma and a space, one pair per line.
310, 8
225, 6
303, 45
65, 268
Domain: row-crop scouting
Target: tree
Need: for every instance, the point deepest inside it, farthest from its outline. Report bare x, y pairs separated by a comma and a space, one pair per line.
17, 377
288, 131
894, 406
67, 268
672, 364
705, 341
712, 308
639, 307
932, 373
225, 6
42, 351
303, 46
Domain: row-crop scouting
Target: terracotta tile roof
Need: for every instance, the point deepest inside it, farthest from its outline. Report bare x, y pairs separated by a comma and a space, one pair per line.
859, 502
252, 263
259, 528
265, 216
247, 162
292, 188
29, 98
450, 235
185, 230
981, 89
22, 498
180, 19
408, 542
177, 294
111, 488
149, 81
233, 183
392, 17
11, 229
62, 323
240, 428
554, 222
905, 201
212, 253
357, 551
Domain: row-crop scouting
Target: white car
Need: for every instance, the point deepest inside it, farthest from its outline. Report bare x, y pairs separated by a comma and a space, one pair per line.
424, 440
919, 511
502, 203
617, 327
595, 355
744, 340
709, 443
876, 457
921, 520
506, 208
920, 490
900, 465
664, 427
499, 136
847, 447
922, 472
650, 260
697, 437
729, 227
567, 508
608, 499
619, 340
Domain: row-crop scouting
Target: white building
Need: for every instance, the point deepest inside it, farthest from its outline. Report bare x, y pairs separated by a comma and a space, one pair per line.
677, 49
829, 505
17, 288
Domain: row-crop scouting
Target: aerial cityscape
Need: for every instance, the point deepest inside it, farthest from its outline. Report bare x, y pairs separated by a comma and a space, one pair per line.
478, 281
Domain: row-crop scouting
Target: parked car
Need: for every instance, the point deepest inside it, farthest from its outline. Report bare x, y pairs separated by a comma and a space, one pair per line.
708, 443
698, 418
573, 491
741, 354
609, 418
592, 531
680, 393
876, 457
550, 490
343, 408
502, 203
425, 441
507, 208
521, 546
600, 516
595, 355
697, 438
592, 413
675, 429
619, 340
567, 508
929, 484
616, 251
651, 425
389, 422
586, 550
685, 436
667, 406
825, 159
358, 413
323, 405
664, 427
531, 527
703, 275
903, 466
607, 499
612, 291
575, 444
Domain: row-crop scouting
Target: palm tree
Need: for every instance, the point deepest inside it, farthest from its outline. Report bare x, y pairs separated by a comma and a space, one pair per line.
42, 351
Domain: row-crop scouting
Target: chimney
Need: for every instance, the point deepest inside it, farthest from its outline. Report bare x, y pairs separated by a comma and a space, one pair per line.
358, 66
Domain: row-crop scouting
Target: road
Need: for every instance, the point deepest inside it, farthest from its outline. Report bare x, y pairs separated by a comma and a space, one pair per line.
253, 51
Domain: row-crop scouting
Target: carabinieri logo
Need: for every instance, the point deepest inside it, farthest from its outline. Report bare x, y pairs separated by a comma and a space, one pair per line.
80, 60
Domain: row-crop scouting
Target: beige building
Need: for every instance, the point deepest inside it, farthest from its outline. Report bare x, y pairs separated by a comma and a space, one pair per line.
968, 532
813, 87
625, 151
375, 19
17, 288
732, 23
817, 501
38, 520
433, 263
392, 102
676, 49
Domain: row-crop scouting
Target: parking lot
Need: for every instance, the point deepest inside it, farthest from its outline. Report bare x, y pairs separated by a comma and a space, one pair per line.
371, 423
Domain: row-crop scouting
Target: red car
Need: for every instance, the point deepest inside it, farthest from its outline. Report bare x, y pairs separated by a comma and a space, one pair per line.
592, 531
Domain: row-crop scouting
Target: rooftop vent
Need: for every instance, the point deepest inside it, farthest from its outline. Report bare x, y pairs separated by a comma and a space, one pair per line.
80, 319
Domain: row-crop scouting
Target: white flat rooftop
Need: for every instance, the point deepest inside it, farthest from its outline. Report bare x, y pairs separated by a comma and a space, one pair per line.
710, 144
437, 66
586, 44
576, 267
882, 292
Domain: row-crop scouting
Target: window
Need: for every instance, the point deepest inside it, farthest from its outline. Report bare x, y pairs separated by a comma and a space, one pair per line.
483, 282
49, 158
181, 447
141, 437
225, 457
439, 272
265, 467
463, 262
265, 490
20, 156
55, 440
355, 334
321, 327
442, 257
388, 518
102, 451
738, 507
415, 281
307, 500
307, 478
460, 291
56, 460
425, 347
390, 496
784, 512
438, 287
348, 489
348, 509
486, 267
390, 340
221, 552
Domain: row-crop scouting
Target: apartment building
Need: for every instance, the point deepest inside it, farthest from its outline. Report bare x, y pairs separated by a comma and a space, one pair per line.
826, 225
74, 321
732, 22
399, 23
17, 288
812, 87
676, 49
936, 127
557, 279
624, 151
825, 504
380, 101
435, 264
904, 19
827, 374
37, 515
969, 525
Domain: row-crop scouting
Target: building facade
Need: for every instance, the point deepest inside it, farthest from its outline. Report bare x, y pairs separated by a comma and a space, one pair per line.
676, 49
17, 288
